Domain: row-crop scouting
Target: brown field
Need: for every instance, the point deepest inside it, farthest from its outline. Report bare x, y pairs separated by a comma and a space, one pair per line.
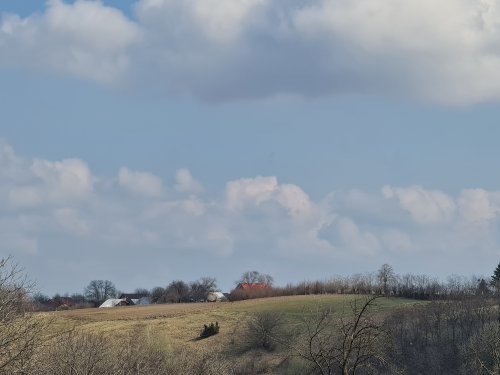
178, 325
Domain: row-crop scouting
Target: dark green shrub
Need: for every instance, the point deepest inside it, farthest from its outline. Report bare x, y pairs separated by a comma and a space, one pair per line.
209, 330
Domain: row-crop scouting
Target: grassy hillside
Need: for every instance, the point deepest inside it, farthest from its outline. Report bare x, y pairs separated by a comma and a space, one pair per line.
179, 324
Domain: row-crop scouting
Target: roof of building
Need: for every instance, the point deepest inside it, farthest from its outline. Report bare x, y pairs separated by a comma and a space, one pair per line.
133, 295
252, 286
217, 294
112, 302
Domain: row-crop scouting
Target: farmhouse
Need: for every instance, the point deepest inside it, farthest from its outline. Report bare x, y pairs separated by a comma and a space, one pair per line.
253, 286
136, 298
216, 297
113, 302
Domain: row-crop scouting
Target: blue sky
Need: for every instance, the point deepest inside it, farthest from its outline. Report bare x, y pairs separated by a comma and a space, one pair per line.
151, 140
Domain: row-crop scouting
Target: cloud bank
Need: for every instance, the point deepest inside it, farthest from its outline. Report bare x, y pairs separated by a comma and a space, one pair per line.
55, 213
445, 52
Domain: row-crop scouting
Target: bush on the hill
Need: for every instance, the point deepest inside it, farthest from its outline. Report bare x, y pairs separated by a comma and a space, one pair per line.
263, 328
209, 330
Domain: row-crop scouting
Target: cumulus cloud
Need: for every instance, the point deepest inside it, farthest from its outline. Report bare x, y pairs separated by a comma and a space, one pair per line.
85, 39
142, 183
219, 20
186, 183
479, 205
424, 206
11, 165
444, 51
255, 191
69, 180
249, 190
354, 239
58, 213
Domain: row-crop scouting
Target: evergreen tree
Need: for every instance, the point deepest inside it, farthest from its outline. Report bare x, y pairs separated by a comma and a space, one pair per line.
495, 279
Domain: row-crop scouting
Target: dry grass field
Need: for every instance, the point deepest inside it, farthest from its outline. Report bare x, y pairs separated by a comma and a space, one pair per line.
178, 325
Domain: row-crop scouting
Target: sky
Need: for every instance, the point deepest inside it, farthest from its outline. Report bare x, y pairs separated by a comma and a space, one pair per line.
145, 141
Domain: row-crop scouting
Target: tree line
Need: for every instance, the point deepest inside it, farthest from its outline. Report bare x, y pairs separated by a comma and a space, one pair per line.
385, 281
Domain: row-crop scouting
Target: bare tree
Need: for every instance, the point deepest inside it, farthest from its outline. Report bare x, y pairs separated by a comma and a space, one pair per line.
100, 290
158, 295
255, 277
199, 289
21, 332
385, 276
263, 329
342, 343
483, 351
177, 291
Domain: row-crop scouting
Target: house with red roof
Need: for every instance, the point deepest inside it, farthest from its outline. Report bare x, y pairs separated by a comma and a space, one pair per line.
253, 286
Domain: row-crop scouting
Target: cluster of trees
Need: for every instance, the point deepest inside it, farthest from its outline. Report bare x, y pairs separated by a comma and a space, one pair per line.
459, 336
98, 291
180, 291
382, 282
446, 337
386, 282
256, 277
325, 341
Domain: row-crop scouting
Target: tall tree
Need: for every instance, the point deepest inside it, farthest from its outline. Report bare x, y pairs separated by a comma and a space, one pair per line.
255, 277
495, 282
21, 331
385, 276
496, 275
201, 287
158, 295
100, 290
341, 343
177, 291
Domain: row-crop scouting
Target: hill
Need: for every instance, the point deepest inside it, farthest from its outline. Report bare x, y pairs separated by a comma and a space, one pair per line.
180, 324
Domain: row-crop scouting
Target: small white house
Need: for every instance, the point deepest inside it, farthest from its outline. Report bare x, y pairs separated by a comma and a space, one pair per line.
113, 302
216, 297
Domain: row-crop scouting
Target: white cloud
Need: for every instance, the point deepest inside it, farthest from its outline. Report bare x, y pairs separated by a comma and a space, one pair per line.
142, 183
7, 155
355, 240
194, 207
69, 178
66, 181
85, 39
445, 51
185, 182
424, 206
219, 20
254, 191
240, 193
294, 199
11, 166
477, 205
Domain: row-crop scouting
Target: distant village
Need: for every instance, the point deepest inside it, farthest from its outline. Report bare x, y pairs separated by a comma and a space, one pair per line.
177, 291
